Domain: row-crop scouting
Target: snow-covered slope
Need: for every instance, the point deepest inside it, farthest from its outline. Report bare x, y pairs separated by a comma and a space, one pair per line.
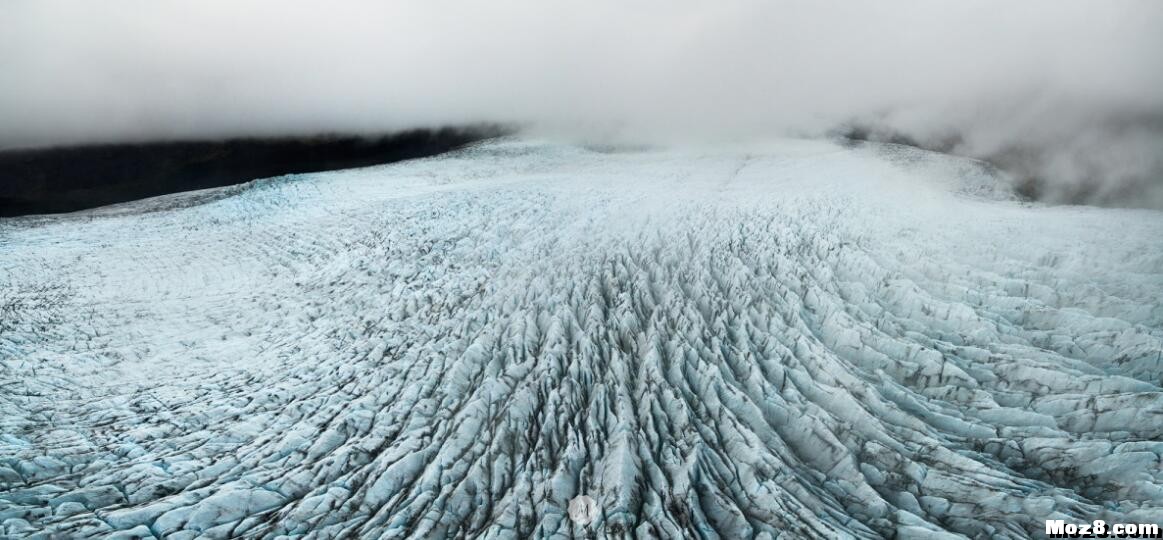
790, 339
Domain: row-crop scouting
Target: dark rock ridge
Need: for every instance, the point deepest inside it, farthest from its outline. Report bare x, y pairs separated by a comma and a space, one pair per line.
67, 179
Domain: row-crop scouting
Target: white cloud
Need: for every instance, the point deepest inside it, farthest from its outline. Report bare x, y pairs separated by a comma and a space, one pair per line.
1039, 72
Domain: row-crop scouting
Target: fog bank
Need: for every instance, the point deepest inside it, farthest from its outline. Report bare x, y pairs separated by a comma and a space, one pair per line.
1064, 94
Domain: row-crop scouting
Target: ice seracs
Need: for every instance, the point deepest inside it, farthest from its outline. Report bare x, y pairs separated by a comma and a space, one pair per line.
793, 339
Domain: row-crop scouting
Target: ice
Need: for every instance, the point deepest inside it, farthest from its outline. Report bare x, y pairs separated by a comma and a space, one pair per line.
788, 339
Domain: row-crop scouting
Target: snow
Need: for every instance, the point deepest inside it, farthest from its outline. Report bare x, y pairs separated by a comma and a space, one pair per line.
788, 339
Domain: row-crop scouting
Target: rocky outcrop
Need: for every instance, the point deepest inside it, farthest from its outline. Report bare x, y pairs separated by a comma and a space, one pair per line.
52, 180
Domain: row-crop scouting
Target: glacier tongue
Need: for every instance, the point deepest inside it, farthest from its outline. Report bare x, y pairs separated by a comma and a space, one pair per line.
793, 339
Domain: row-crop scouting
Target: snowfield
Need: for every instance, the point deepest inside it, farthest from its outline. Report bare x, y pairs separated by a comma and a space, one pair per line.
794, 339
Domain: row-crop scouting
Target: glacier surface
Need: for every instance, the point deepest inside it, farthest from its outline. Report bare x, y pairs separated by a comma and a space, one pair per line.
793, 339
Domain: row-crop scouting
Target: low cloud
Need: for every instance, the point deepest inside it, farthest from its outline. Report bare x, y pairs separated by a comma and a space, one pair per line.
1064, 94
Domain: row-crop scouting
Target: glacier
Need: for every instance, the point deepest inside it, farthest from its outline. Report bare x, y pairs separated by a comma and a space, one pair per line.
794, 339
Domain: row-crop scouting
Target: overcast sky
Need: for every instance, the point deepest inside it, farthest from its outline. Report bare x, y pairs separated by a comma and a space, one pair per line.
1056, 72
